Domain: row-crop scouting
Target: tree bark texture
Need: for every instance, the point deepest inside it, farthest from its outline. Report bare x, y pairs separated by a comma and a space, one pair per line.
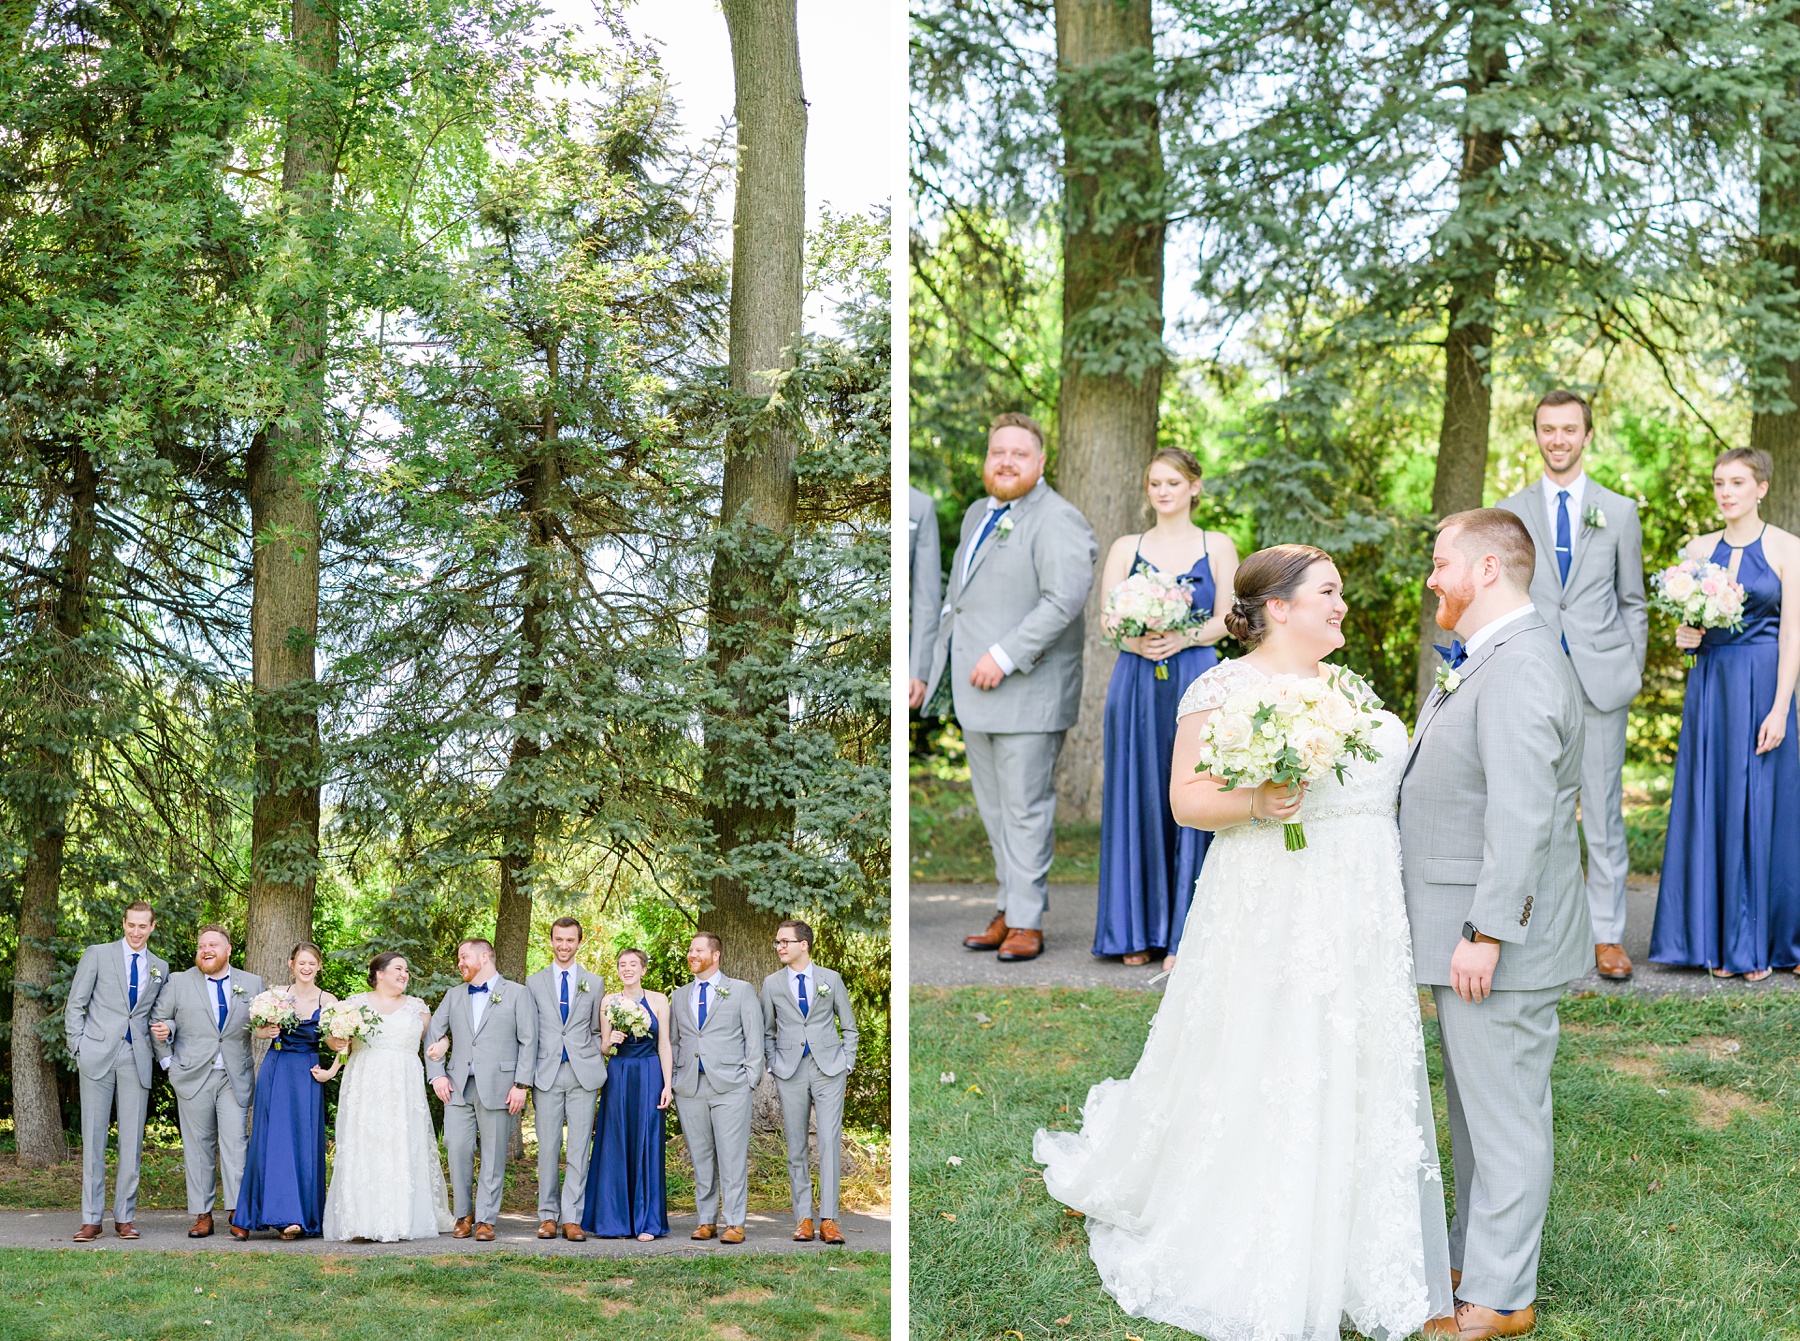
749, 619
284, 514
37, 1106
1777, 432
1112, 364
1473, 266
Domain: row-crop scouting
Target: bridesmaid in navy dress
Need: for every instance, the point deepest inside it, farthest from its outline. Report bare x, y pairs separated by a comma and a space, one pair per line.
1148, 863
284, 1167
1730, 895
625, 1192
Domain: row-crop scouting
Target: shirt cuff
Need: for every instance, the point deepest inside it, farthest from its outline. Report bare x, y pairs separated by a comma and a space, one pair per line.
1005, 662
166, 1062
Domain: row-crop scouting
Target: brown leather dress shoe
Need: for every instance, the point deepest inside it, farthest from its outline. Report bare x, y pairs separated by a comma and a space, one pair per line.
1021, 944
1445, 1326
125, 1230
574, 1233
732, 1234
803, 1231
484, 1233
1475, 1323
704, 1232
546, 1229
465, 1226
88, 1233
239, 1233
202, 1226
829, 1231
1613, 962
989, 939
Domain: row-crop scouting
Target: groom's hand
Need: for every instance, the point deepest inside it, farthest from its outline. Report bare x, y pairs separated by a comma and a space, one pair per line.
1472, 968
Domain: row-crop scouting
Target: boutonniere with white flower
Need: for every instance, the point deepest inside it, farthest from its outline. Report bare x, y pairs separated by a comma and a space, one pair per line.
236, 990
1449, 679
1004, 528
581, 986
1593, 517
824, 990
155, 974
724, 993
494, 995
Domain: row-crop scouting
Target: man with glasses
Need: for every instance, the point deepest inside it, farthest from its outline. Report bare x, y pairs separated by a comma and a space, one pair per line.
809, 1035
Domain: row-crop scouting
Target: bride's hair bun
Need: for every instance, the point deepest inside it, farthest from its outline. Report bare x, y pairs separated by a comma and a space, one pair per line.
1272, 574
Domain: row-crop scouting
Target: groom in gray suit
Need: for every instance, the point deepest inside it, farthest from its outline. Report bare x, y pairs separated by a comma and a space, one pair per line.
716, 1030
492, 1025
1009, 639
1589, 587
201, 1024
571, 1068
1492, 873
107, 1025
809, 1039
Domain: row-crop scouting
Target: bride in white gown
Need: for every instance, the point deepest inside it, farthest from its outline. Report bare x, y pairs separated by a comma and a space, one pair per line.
386, 1181
1270, 1169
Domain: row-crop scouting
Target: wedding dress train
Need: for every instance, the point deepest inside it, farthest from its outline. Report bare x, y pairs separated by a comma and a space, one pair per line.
1269, 1170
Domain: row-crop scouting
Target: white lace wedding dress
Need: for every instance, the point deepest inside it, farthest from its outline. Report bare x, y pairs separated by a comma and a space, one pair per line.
1270, 1169
386, 1181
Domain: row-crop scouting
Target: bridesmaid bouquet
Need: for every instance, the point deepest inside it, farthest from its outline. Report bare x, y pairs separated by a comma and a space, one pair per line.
628, 1018
1289, 730
273, 1007
1700, 594
1149, 601
350, 1020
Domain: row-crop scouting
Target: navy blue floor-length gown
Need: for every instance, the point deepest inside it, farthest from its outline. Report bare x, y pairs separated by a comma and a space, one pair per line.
284, 1168
1148, 862
1730, 894
626, 1195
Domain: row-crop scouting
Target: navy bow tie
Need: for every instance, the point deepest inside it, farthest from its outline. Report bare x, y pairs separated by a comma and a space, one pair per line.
474, 989
1455, 654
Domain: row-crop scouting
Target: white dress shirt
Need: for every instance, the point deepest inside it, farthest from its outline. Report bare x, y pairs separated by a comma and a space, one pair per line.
1577, 488
1488, 630
812, 985
478, 1001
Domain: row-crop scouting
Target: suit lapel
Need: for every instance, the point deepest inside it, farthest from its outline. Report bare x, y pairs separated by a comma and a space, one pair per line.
1531, 512
1470, 668
1018, 511
1592, 497
493, 985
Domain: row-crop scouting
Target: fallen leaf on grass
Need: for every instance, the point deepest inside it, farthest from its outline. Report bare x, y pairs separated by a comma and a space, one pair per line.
982, 1017
946, 1077
1655, 1186
973, 1089
954, 1160
946, 1215
1010, 1332
1079, 1215
1065, 1320
1084, 1005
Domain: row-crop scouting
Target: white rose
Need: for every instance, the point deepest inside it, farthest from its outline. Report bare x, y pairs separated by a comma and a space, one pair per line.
1678, 586
1317, 750
1230, 731
1336, 712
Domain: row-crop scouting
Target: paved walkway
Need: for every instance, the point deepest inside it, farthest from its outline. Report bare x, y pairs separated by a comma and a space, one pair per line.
165, 1231
941, 915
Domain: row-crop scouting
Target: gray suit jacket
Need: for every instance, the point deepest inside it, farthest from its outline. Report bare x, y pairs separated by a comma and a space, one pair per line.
731, 1044
98, 1014
1025, 591
501, 1054
188, 1005
925, 573
1602, 611
787, 1033
581, 1036
1487, 815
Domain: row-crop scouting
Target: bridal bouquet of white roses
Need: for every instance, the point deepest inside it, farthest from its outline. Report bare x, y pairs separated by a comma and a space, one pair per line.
350, 1020
1700, 594
628, 1018
273, 1007
1288, 730
1149, 601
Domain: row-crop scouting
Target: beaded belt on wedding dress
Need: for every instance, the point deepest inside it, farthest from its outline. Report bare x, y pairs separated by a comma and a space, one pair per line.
1386, 809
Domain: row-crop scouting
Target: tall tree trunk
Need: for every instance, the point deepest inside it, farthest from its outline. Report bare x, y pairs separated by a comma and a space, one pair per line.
284, 514
1473, 267
37, 1106
750, 628
1777, 432
1112, 351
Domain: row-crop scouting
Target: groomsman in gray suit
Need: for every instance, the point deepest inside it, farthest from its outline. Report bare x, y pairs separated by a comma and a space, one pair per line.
1492, 876
492, 1026
809, 1038
1589, 587
927, 583
571, 1068
107, 1025
1009, 639
201, 1024
716, 1029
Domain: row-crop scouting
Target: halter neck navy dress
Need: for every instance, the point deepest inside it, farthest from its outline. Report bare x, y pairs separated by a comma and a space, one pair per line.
284, 1168
1148, 862
1730, 895
626, 1195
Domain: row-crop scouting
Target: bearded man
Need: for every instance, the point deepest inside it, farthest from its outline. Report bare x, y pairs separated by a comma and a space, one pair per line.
1009, 650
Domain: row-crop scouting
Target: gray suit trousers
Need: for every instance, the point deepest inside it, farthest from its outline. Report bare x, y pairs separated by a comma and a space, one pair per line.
811, 1088
716, 1125
1603, 819
1497, 1059
121, 1086
565, 1102
1014, 779
466, 1124
215, 1133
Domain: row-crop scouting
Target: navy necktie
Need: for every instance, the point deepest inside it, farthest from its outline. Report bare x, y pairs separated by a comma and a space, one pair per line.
993, 520
703, 1005
219, 986
805, 1009
565, 1007
134, 992
1564, 547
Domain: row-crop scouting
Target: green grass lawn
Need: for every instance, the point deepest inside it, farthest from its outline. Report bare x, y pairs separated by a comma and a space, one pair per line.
48, 1296
1675, 1215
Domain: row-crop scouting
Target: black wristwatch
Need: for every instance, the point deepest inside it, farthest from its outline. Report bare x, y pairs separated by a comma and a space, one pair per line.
1469, 932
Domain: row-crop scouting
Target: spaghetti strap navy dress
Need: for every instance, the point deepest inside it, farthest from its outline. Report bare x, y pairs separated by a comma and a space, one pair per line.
1148, 862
